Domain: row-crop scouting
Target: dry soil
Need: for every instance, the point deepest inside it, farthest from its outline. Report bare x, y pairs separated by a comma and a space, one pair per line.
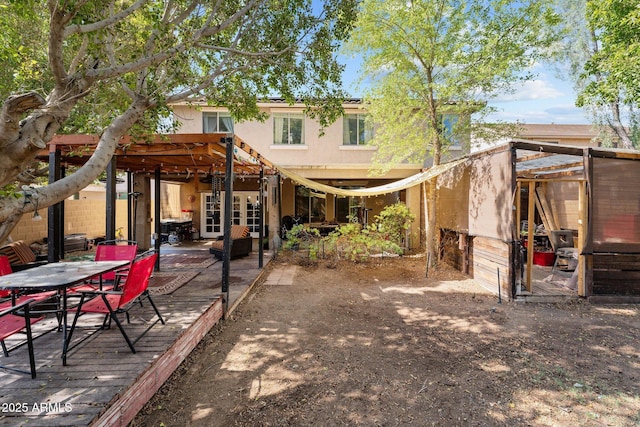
378, 344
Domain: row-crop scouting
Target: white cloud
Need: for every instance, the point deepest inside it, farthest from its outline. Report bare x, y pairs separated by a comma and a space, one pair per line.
538, 111
532, 90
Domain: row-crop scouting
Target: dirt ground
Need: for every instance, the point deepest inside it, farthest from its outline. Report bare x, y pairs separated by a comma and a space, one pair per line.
378, 344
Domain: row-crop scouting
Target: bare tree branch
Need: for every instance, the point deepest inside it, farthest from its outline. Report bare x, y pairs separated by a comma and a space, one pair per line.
95, 26
12, 111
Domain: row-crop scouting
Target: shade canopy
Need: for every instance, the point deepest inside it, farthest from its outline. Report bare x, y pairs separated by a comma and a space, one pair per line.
391, 187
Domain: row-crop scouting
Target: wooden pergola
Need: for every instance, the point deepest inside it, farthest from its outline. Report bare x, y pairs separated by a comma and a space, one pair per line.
175, 157
172, 155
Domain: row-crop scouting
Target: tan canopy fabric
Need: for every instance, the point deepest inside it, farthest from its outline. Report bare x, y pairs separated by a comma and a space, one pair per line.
372, 191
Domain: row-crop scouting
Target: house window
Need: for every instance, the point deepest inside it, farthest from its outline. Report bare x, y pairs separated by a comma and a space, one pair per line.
449, 131
288, 128
356, 130
310, 205
217, 122
351, 209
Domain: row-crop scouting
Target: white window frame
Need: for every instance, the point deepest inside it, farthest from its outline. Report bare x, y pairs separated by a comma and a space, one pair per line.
278, 135
219, 116
241, 213
363, 136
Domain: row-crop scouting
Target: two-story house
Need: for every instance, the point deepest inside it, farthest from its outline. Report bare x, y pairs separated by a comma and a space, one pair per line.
340, 158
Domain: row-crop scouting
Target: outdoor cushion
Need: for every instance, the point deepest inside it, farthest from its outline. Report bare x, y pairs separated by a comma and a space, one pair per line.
241, 244
239, 231
20, 255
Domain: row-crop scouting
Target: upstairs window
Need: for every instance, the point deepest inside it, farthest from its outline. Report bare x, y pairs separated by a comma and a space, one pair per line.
217, 122
288, 128
449, 123
356, 130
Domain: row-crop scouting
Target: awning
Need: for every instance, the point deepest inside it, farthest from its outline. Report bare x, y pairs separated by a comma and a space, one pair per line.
372, 191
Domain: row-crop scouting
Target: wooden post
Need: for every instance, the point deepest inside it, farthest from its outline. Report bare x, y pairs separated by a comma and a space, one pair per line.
55, 214
110, 220
530, 233
583, 220
156, 210
546, 211
518, 203
130, 223
261, 219
228, 212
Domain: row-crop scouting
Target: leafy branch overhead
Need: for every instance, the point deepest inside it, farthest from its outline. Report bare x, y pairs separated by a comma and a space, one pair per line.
432, 64
111, 68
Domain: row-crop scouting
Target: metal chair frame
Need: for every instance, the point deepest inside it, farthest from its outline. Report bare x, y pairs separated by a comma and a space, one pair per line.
114, 302
12, 321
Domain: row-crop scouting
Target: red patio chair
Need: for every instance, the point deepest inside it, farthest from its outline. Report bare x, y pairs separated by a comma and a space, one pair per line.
111, 250
5, 268
12, 321
115, 250
114, 302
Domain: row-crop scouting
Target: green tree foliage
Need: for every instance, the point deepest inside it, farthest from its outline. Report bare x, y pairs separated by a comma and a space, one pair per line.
426, 60
607, 69
112, 67
23, 48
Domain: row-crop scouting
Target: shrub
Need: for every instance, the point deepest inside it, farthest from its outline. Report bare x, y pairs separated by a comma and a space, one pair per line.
394, 221
299, 235
352, 241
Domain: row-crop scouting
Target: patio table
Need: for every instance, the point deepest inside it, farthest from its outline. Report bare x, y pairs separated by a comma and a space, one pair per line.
58, 276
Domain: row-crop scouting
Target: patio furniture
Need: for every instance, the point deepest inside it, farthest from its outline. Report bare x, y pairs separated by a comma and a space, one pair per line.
5, 268
175, 230
20, 255
111, 250
12, 321
241, 243
112, 303
75, 242
5, 301
56, 279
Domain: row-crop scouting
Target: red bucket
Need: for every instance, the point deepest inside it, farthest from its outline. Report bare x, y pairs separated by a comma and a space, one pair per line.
544, 258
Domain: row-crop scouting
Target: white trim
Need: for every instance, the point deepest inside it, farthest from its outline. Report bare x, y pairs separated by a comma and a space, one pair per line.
351, 147
288, 147
242, 194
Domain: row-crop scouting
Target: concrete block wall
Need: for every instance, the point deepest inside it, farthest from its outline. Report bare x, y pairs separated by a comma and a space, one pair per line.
81, 216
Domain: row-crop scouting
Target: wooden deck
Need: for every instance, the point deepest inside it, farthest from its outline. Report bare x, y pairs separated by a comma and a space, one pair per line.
104, 383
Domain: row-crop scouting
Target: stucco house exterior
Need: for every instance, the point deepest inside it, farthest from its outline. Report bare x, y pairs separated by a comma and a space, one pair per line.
339, 158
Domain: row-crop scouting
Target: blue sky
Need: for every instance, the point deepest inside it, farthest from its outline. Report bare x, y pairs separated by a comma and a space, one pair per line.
546, 99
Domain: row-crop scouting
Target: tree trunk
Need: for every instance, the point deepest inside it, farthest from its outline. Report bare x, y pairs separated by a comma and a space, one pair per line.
430, 224
6, 226
619, 129
46, 196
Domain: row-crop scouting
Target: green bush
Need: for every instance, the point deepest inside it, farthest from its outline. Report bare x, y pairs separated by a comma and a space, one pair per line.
299, 235
394, 220
352, 241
